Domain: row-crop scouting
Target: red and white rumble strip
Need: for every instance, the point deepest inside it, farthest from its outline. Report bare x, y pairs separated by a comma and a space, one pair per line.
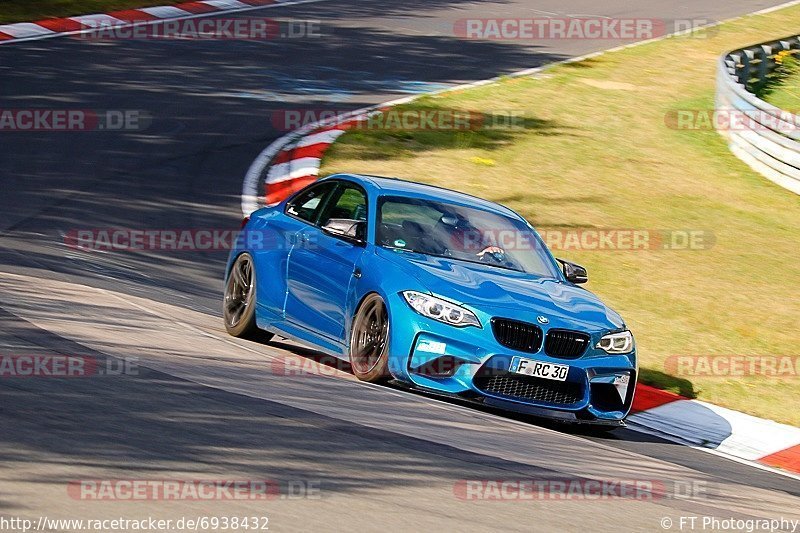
130, 17
297, 165
293, 161
711, 427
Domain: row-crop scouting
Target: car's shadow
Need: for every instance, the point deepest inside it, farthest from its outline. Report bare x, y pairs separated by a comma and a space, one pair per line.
586, 430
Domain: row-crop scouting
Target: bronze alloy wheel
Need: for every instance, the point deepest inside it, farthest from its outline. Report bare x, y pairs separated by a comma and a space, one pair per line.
369, 340
239, 307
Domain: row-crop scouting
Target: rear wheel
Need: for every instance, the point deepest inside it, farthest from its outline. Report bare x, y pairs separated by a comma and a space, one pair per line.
239, 307
369, 340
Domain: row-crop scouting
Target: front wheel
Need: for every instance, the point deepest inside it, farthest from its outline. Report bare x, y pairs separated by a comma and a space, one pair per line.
369, 340
239, 307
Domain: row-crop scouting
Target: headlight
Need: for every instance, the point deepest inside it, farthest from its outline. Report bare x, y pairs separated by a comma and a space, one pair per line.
616, 343
441, 310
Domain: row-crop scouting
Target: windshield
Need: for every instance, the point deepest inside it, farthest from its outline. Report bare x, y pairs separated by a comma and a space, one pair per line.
468, 234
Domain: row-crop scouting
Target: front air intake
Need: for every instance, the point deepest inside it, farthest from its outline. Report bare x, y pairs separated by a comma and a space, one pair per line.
517, 335
566, 344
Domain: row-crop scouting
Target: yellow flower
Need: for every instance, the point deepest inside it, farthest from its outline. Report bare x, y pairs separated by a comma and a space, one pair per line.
783, 54
483, 161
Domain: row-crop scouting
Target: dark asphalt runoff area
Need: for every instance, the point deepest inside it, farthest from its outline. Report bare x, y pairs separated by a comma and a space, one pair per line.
197, 404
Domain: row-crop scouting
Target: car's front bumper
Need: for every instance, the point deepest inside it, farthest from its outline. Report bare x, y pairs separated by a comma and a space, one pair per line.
469, 362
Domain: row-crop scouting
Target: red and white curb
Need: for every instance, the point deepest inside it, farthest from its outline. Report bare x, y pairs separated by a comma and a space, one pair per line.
711, 427
293, 161
297, 165
48, 28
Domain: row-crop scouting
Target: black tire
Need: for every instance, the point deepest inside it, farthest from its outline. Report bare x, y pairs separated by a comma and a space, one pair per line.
239, 305
369, 340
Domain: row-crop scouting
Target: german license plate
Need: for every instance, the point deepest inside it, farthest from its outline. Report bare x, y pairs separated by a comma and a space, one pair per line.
539, 369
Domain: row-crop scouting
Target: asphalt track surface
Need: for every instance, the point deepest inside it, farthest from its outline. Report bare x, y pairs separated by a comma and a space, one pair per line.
206, 406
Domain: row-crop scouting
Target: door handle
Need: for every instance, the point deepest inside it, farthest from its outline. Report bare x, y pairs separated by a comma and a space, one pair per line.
357, 273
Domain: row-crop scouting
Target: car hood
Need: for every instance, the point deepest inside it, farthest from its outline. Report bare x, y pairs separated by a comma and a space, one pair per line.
492, 289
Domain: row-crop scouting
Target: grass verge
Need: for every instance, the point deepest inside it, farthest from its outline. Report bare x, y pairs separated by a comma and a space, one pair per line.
32, 10
598, 150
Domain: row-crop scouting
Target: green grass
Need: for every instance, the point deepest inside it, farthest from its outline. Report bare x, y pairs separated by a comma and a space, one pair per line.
33, 10
596, 151
783, 89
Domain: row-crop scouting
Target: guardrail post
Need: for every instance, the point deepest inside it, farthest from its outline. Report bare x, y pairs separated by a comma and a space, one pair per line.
742, 65
765, 51
747, 67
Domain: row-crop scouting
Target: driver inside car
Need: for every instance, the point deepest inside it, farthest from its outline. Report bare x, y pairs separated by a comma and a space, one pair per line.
464, 237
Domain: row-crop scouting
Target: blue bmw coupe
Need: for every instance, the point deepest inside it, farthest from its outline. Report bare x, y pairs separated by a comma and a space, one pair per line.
436, 289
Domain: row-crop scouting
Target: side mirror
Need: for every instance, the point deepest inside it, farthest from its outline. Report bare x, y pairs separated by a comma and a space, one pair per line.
574, 273
352, 231
357, 232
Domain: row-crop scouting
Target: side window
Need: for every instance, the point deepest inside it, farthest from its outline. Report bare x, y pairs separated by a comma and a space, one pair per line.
307, 205
351, 204
346, 213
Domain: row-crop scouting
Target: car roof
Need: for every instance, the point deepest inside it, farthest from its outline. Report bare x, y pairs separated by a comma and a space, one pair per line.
386, 186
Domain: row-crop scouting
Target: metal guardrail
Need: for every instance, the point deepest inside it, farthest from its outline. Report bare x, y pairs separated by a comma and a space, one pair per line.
765, 137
